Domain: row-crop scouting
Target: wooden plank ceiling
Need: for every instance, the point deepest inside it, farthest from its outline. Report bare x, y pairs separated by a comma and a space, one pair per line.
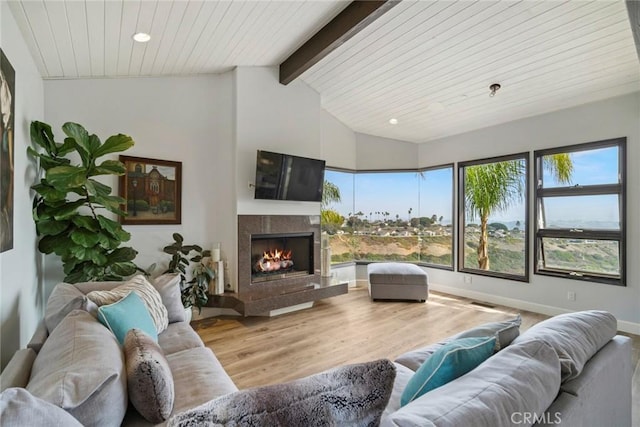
427, 64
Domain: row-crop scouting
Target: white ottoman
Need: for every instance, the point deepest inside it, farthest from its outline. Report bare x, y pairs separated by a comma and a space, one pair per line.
398, 281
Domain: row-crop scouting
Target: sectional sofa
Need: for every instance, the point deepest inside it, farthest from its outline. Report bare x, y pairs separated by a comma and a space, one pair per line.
571, 370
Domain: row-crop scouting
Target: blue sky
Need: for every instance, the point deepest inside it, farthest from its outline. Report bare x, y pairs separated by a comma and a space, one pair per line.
396, 192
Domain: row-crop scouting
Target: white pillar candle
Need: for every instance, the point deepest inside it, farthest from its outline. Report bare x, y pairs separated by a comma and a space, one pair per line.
215, 252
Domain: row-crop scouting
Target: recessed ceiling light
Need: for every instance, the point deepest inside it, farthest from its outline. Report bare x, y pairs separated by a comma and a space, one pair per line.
141, 37
393, 121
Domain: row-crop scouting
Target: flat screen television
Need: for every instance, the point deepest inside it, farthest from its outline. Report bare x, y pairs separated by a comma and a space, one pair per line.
287, 177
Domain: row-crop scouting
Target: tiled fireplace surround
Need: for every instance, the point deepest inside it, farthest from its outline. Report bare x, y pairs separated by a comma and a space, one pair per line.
260, 297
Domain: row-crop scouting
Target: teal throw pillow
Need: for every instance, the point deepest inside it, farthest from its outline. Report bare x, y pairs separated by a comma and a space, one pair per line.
449, 362
126, 314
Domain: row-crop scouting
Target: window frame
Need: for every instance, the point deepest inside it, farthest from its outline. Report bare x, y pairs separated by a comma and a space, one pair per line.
619, 189
462, 216
416, 170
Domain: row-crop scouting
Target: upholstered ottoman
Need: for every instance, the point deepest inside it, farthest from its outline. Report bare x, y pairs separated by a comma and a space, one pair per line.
396, 280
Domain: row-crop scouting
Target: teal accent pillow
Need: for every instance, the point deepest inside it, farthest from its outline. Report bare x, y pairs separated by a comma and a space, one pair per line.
449, 362
126, 314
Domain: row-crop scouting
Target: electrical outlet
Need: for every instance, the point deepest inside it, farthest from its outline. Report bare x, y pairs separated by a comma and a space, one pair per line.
468, 279
571, 296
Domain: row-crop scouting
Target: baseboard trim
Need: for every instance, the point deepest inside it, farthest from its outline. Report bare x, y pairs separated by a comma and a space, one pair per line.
623, 325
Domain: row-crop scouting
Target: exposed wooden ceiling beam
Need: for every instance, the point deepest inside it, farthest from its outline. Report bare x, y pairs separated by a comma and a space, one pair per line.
633, 7
353, 19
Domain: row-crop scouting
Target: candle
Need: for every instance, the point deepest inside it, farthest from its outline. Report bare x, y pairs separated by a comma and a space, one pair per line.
215, 252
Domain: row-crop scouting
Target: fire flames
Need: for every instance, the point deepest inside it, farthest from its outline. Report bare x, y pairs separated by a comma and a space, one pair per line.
274, 260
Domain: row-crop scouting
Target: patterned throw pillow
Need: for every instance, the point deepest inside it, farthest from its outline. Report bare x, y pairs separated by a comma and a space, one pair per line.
448, 363
145, 290
149, 379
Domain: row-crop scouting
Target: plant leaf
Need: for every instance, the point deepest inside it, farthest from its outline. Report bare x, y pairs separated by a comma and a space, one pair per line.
42, 135
66, 210
48, 244
114, 144
178, 237
50, 227
65, 177
120, 255
94, 144
123, 268
101, 189
108, 167
84, 237
79, 134
48, 192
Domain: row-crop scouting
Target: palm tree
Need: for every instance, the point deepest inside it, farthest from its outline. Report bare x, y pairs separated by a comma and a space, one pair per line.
330, 194
494, 187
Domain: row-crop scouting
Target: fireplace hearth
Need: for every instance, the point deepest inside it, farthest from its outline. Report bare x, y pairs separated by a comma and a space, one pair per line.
278, 265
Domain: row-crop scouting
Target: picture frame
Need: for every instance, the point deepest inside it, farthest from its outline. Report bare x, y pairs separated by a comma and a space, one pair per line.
152, 190
7, 119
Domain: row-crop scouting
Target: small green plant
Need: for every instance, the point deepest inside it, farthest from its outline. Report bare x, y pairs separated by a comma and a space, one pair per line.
69, 199
195, 291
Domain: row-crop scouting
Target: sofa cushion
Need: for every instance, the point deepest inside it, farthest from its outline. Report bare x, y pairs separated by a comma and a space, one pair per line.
126, 314
81, 369
20, 408
523, 377
403, 376
145, 291
576, 337
18, 370
63, 300
86, 287
39, 336
149, 379
168, 285
177, 337
506, 331
348, 395
448, 363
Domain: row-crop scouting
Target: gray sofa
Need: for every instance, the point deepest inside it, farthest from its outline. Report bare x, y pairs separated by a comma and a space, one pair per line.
197, 374
569, 370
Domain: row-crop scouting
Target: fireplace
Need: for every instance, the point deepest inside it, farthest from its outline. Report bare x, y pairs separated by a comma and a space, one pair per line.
281, 255
278, 265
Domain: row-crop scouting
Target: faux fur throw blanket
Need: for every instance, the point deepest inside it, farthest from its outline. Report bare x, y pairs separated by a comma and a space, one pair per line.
353, 395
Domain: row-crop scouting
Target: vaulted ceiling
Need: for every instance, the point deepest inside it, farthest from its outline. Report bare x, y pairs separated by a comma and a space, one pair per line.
427, 64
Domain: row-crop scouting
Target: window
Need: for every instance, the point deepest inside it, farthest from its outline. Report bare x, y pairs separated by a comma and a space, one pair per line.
390, 216
493, 217
580, 209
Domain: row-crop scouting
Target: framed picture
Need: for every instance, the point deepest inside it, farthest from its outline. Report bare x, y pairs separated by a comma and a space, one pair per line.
152, 190
7, 114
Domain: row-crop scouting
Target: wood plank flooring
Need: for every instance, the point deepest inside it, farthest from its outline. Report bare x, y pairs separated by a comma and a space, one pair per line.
349, 328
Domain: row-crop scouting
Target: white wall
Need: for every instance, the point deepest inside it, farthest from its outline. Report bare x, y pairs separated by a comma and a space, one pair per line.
374, 152
611, 118
187, 119
338, 142
21, 296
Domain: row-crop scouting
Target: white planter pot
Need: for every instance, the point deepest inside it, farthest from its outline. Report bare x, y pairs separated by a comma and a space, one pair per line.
188, 314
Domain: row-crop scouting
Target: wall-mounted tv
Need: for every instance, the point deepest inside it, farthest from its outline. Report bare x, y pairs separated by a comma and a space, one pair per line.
286, 177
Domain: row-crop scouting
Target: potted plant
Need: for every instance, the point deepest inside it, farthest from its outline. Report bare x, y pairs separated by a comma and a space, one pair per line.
69, 199
194, 291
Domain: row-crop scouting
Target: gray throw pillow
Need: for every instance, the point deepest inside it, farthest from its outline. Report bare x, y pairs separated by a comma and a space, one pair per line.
351, 395
63, 300
168, 285
506, 331
20, 408
80, 368
575, 337
149, 379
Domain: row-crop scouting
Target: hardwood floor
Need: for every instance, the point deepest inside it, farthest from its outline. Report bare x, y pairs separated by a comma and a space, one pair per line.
348, 329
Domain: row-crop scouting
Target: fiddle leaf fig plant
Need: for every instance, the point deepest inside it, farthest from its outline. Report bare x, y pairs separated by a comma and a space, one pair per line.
69, 201
195, 291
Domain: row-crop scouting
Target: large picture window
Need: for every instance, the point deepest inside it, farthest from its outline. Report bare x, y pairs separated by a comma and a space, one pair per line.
390, 215
493, 217
580, 210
